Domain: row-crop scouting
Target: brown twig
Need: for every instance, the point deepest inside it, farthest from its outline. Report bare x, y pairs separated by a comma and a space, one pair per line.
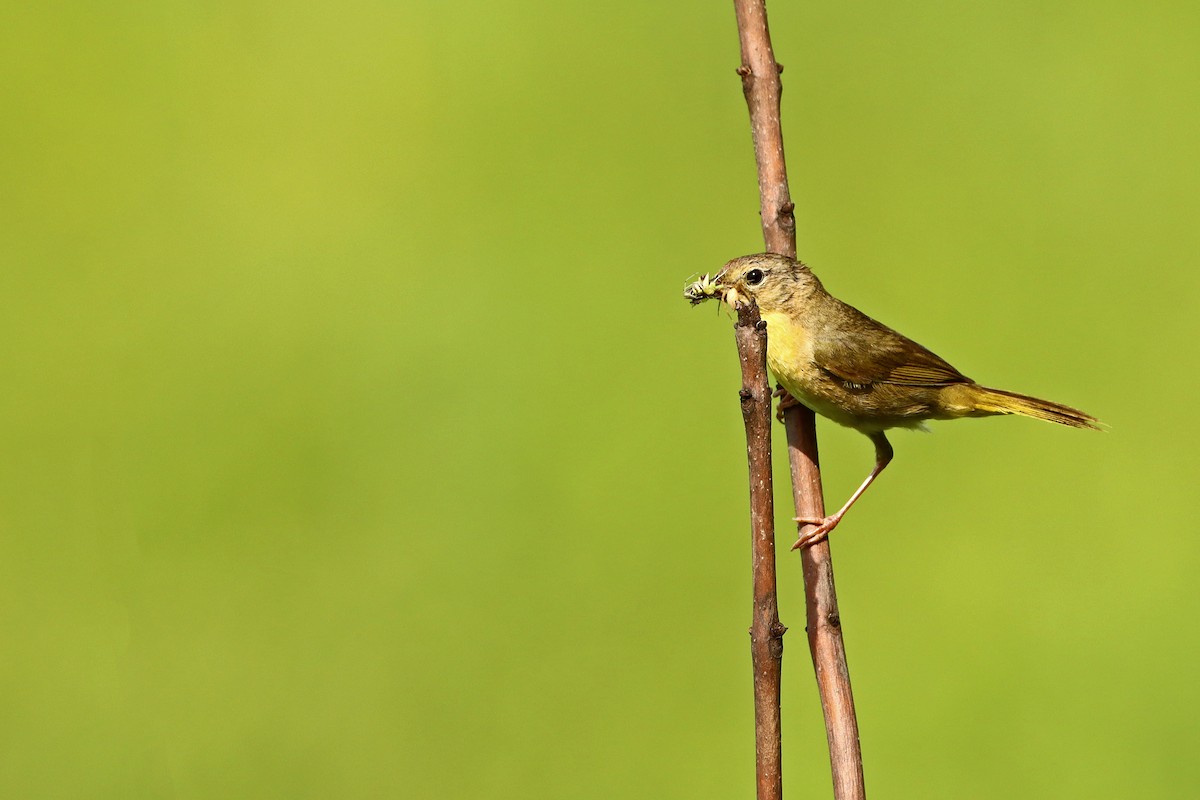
766, 632
824, 623
763, 88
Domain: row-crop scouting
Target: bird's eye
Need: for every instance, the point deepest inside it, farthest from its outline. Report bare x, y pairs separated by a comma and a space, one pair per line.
754, 277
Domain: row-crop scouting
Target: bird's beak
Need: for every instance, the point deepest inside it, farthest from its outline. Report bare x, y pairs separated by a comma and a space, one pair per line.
708, 288
732, 297
729, 293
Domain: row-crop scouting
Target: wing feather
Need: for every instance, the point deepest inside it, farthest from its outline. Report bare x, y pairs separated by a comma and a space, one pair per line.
892, 357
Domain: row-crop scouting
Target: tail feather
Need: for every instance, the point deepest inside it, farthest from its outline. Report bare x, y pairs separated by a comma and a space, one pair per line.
997, 401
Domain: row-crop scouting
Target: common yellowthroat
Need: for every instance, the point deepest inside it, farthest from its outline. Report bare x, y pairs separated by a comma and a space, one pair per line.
857, 372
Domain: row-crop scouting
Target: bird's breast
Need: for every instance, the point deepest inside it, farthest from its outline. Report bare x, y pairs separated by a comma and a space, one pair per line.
789, 349
790, 357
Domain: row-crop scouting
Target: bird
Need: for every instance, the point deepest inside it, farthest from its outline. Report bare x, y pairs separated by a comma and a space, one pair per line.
855, 370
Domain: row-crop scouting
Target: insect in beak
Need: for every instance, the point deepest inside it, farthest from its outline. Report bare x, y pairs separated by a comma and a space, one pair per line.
703, 289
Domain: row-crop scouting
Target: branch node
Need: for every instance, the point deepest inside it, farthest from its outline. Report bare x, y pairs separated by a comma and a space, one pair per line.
779, 67
743, 70
775, 647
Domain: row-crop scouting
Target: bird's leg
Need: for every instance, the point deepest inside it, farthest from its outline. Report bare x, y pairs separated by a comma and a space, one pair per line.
786, 401
883, 455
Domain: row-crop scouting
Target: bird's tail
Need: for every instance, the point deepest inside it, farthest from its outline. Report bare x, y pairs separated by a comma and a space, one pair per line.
996, 401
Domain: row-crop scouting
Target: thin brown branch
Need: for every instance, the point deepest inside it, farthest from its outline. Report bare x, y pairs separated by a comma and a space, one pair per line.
766, 632
823, 621
763, 88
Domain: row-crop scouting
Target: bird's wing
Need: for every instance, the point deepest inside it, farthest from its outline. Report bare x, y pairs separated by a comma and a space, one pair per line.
864, 352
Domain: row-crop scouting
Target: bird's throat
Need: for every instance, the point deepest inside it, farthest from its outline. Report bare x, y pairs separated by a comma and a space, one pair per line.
789, 350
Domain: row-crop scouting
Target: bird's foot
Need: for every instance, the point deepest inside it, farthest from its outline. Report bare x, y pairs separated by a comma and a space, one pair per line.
786, 401
823, 526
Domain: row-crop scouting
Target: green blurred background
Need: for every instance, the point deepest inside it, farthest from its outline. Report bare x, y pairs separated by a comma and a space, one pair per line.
358, 443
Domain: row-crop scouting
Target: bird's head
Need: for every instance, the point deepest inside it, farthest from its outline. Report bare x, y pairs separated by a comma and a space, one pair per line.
774, 282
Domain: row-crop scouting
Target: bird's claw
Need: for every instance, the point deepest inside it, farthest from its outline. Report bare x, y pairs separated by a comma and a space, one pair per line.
823, 526
786, 401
